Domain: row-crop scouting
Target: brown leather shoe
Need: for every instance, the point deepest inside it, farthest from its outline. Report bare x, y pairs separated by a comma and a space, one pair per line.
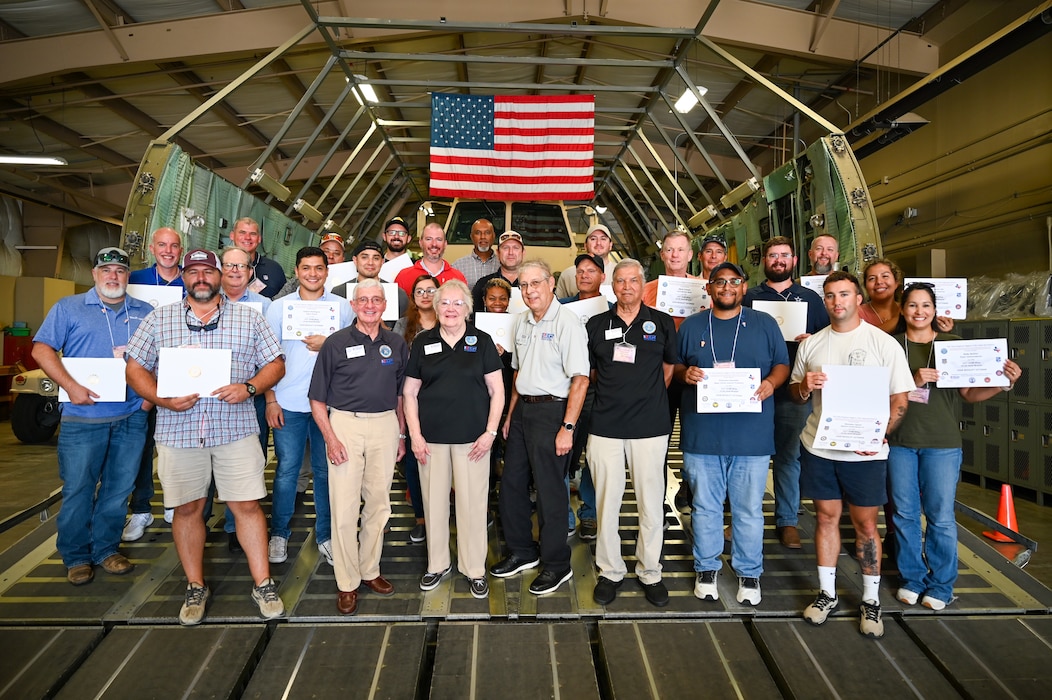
80, 574
347, 602
380, 586
789, 537
116, 564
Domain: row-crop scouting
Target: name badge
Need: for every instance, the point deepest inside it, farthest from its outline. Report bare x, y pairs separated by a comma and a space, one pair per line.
119, 350
729, 364
919, 395
355, 351
612, 333
625, 352
432, 348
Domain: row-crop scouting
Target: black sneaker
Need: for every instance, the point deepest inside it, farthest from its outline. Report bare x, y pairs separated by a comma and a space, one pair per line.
511, 565
656, 593
479, 587
605, 590
430, 580
418, 533
684, 498
588, 529
548, 581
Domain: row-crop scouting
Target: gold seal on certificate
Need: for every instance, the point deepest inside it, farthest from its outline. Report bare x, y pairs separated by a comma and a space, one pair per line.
194, 371
93, 379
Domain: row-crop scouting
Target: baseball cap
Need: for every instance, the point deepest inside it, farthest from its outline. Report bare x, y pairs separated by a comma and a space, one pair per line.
368, 245
397, 220
112, 256
595, 260
713, 239
200, 256
335, 237
510, 236
599, 227
728, 266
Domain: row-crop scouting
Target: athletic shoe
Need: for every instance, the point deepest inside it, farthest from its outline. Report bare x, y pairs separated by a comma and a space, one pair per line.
871, 625
479, 587
169, 515
588, 529
907, 597
325, 550
705, 586
548, 581
430, 581
418, 533
193, 610
932, 603
266, 597
817, 612
748, 590
683, 498
136, 526
278, 550
605, 590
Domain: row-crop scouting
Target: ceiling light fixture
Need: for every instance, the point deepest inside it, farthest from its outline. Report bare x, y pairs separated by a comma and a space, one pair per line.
365, 89
32, 160
688, 99
267, 182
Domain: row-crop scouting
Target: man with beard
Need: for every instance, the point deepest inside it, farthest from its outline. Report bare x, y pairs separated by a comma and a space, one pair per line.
433, 243
100, 443
201, 438
166, 247
779, 262
824, 253
396, 238
480, 261
368, 259
270, 278
725, 454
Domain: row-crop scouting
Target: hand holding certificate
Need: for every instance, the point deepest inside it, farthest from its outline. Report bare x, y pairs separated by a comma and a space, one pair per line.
102, 376
729, 390
855, 408
302, 318
681, 296
188, 371
971, 363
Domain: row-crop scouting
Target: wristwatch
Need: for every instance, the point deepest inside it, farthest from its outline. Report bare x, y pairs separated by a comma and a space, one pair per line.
251, 389
569, 426
492, 432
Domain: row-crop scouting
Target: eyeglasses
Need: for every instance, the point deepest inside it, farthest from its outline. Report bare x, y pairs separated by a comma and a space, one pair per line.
425, 292
375, 301
775, 256
535, 284
458, 303
235, 266
721, 283
210, 326
396, 233
112, 256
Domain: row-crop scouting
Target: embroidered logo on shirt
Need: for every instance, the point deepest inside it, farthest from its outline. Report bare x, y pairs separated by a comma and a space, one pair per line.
385, 351
649, 327
547, 336
471, 340
649, 337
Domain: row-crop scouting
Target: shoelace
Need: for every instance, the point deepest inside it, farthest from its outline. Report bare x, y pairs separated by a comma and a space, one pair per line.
750, 582
824, 601
195, 595
871, 612
268, 591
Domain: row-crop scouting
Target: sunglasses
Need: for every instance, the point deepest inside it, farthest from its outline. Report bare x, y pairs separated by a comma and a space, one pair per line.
112, 257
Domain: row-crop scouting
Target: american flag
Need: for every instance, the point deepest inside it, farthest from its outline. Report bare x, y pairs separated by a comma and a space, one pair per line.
512, 147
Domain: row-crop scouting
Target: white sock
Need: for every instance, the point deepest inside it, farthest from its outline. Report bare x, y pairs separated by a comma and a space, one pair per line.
827, 580
870, 588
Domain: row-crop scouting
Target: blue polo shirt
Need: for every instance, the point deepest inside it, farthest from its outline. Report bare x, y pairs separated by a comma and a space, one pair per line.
82, 326
150, 275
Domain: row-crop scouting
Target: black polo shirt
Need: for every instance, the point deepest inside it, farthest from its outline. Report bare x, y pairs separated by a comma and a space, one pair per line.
353, 372
631, 400
478, 293
453, 400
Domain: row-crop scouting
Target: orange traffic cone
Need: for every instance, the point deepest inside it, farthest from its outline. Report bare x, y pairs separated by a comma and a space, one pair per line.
1005, 516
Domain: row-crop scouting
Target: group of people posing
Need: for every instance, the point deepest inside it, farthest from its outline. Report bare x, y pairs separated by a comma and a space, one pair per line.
444, 397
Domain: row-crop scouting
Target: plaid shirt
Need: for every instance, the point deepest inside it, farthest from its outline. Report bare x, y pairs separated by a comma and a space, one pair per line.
475, 268
210, 422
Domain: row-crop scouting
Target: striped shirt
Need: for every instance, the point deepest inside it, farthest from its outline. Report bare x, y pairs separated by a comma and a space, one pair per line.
252, 342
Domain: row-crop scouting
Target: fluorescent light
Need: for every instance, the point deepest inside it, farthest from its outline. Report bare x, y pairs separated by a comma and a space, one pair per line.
600, 208
366, 90
739, 193
688, 99
32, 160
263, 179
307, 211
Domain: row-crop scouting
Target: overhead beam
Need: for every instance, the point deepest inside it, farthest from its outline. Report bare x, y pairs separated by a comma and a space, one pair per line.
823, 14
528, 60
68, 136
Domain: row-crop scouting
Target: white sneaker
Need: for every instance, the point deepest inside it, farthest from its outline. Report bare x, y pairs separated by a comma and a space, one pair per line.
871, 625
136, 526
906, 596
266, 597
705, 586
817, 612
193, 610
169, 514
325, 550
933, 603
748, 590
278, 550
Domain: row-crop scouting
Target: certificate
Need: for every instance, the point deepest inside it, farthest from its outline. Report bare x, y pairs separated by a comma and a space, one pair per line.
155, 295
966, 363
257, 305
814, 283
608, 291
584, 309
790, 315
855, 408
729, 390
340, 273
185, 371
951, 294
302, 318
681, 296
391, 268
515, 303
103, 375
390, 294
499, 326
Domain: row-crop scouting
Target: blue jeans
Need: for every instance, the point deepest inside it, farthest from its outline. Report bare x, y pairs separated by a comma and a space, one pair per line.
586, 492
789, 420
924, 481
713, 479
143, 492
97, 463
289, 444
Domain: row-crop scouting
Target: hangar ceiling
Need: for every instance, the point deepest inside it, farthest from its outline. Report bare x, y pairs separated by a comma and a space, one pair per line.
94, 81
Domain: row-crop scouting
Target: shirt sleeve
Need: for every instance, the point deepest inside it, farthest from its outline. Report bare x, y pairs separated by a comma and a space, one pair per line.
143, 344
54, 330
413, 367
671, 355
575, 350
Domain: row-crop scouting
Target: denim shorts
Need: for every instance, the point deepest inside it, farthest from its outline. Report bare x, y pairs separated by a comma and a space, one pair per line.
863, 484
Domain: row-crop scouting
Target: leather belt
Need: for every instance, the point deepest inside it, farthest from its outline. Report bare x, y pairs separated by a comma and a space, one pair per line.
543, 398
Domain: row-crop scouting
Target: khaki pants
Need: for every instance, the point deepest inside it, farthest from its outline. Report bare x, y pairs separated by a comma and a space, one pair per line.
371, 440
471, 480
646, 464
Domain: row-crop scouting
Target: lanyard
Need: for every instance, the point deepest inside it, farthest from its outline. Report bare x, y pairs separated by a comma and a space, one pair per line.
109, 325
712, 338
931, 351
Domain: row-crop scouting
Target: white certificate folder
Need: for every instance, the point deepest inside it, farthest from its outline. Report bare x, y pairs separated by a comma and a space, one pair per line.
103, 375
186, 371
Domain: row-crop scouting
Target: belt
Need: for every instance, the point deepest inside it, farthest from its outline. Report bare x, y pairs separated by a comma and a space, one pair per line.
543, 398
363, 414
